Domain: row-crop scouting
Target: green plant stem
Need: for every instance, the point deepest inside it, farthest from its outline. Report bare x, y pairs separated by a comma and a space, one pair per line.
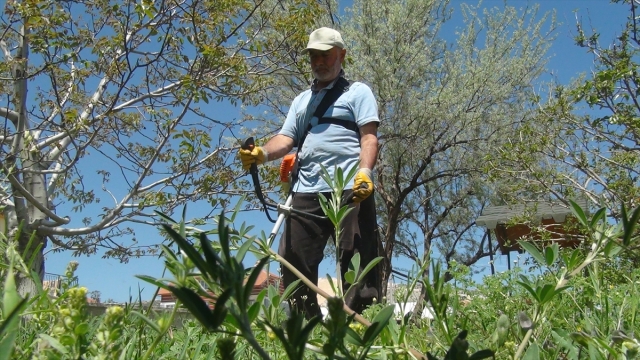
322, 293
523, 344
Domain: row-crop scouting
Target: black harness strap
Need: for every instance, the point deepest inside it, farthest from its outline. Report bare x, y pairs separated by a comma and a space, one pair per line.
344, 123
340, 87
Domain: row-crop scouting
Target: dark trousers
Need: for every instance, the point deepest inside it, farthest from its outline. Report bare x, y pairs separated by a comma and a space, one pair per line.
304, 240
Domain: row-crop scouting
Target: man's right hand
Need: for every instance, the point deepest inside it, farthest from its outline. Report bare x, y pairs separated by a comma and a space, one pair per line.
257, 156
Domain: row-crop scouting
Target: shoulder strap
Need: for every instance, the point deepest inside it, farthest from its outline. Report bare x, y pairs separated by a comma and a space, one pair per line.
339, 88
330, 97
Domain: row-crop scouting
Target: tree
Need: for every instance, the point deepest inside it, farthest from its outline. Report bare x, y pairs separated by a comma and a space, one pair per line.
444, 107
108, 109
585, 139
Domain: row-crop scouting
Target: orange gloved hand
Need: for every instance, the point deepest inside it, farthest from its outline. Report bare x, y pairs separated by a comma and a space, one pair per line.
257, 156
362, 185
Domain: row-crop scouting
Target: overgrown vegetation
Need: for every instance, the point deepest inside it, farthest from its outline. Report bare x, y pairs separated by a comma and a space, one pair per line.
569, 309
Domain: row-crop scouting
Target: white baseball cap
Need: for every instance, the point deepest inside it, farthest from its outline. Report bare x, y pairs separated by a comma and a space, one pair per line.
324, 39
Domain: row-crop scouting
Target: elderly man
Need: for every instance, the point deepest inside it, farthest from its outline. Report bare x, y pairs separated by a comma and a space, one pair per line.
345, 135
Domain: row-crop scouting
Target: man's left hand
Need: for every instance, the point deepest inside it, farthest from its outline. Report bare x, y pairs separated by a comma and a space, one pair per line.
362, 185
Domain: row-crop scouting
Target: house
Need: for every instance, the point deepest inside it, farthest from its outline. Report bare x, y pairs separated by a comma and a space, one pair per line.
264, 280
402, 309
52, 284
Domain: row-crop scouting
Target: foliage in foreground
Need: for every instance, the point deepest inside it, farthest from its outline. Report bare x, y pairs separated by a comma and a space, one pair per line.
570, 309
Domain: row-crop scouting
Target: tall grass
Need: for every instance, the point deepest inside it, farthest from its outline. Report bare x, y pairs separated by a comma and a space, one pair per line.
576, 307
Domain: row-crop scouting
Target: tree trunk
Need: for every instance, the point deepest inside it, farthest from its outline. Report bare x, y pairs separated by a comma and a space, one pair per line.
26, 283
32, 255
384, 269
421, 301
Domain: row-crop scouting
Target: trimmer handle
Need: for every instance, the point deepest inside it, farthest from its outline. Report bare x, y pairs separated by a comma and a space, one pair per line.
249, 144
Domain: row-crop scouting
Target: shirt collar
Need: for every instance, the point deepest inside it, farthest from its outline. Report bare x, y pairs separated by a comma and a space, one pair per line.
314, 84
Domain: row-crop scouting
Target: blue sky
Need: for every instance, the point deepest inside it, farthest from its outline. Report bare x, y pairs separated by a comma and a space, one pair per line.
117, 281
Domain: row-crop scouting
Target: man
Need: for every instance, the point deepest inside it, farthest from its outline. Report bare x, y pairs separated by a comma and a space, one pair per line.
331, 144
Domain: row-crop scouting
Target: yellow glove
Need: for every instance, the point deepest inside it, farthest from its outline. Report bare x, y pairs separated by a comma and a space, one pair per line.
362, 185
256, 155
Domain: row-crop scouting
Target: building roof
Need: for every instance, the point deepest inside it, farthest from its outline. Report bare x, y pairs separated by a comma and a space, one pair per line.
494, 215
262, 282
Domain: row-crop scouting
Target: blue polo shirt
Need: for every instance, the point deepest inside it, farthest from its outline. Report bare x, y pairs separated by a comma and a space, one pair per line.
328, 144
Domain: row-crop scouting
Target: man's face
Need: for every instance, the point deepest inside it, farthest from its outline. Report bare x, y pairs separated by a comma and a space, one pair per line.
326, 65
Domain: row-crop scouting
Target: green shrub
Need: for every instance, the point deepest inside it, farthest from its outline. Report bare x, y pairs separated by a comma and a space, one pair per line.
570, 309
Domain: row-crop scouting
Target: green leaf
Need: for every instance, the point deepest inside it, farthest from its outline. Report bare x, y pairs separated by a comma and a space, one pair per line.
352, 337
12, 305
324, 174
251, 280
169, 254
378, 324
546, 293
332, 283
230, 321
350, 277
561, 337
6, 329
211, 256
599, 215
150, 323
551, 253
579, 213
611, 249
339, 179
54, 344
572, 260
581, 338
370, 266
183, 233
188, 249
502, 329
527, 286
237, 209
533, 353
629, 224
354, 264
307, 329
242, 251
254, 311
195, 304
219, 313
352, 173
153, 281
165, 217
10, 297
342, 213
34, 254
81, 329
223, 235
286, 294
533, 251
262, 294
67, 340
